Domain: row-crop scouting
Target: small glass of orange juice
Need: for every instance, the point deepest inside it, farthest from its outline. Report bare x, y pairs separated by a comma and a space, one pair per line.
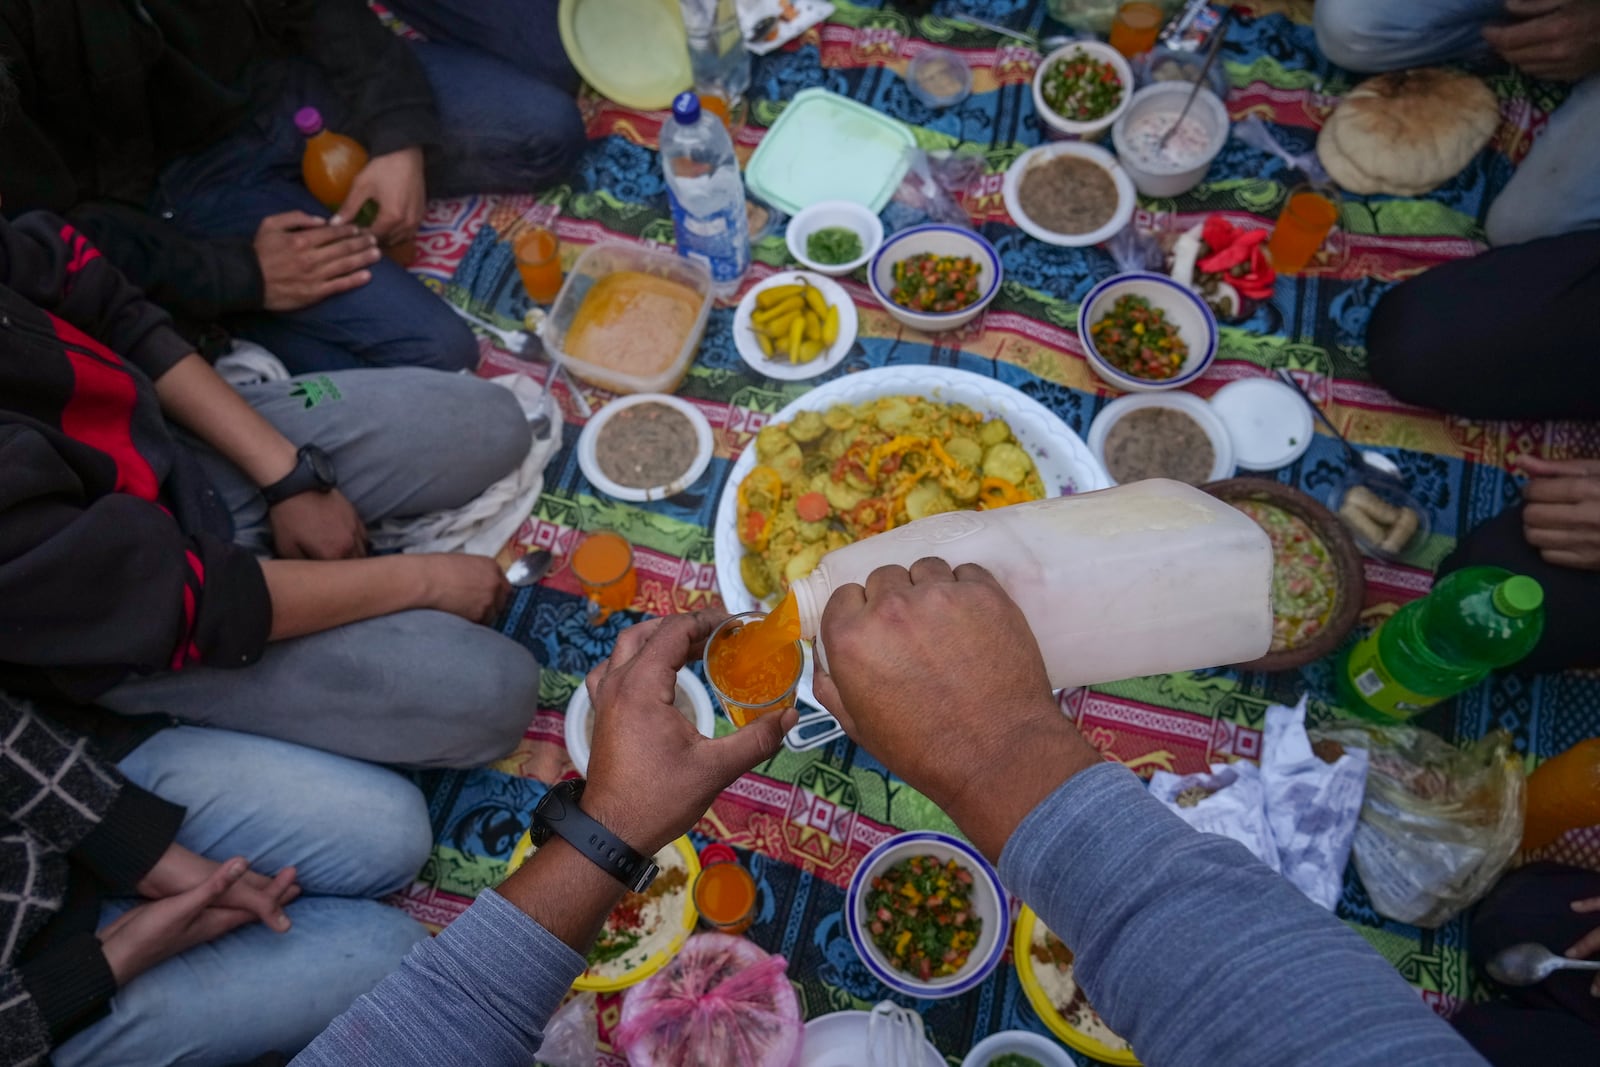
724, 892
539, 262
603, 565
1136, 27
751, 686
1308, 216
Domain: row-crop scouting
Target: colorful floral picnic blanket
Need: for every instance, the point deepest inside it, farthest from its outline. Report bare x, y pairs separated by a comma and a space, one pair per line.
803, 821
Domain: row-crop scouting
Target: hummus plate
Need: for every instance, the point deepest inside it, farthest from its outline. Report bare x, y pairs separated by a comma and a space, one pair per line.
644, 931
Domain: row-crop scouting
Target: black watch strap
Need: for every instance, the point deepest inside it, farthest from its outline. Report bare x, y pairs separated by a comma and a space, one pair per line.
558, 813
313, 470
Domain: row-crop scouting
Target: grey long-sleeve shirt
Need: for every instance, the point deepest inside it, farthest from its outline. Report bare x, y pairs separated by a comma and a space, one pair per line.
1191, 949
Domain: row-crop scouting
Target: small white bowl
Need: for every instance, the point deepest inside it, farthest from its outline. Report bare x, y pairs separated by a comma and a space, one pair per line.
1020, 1042
1011, 192
821, 216
749, 349
579, 712
1184, 309
1222, 464
989, 903
589, 462
1055, 126
940, 241
1166, 99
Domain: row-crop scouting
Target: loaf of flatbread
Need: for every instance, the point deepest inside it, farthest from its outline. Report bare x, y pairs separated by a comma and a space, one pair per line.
1407, 132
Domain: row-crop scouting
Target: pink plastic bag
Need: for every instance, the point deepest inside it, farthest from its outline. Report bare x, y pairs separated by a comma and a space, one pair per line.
722, 1002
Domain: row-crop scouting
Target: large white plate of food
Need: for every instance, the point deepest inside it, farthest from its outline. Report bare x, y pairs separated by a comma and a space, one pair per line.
877, 449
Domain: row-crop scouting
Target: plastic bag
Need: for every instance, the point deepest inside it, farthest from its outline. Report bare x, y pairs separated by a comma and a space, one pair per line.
931, 190
1439, 824
721, 1002
571, 1038
1255, 133
1313, 801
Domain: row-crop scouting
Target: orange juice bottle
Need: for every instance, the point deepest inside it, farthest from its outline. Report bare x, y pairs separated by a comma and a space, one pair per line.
330, 164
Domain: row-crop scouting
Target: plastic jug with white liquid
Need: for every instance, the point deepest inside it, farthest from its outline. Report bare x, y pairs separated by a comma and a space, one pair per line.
1146, 578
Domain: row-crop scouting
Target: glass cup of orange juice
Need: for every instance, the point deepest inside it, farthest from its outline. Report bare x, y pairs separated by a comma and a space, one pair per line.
1308, 216
751, 685
1136, 27
539, 262
603, 565
724, 892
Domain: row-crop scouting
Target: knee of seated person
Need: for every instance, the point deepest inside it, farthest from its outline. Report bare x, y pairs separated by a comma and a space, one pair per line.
1355, 34
397, 837
495, 701
435, 338
505, 436
1515, 218
1403, 353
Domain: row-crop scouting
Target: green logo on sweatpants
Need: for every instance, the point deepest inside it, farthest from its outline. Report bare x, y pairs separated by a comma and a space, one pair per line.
316, 390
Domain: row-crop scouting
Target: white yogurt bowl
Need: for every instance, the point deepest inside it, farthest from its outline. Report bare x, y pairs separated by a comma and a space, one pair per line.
1153, 109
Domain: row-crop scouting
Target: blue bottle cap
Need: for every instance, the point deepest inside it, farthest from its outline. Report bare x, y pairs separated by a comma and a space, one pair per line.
686, 109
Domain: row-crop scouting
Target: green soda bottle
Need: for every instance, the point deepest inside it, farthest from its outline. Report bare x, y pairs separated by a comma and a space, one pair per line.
1476, 620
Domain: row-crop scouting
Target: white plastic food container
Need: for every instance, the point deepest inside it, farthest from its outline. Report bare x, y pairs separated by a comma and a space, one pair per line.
611, 257
1166, 99
1147, 578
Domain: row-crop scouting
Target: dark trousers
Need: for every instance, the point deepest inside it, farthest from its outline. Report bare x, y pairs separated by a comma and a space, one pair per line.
505, 129
1509, 334
1557, 1022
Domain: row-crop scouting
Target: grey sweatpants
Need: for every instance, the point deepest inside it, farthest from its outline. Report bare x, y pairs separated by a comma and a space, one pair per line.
420, 688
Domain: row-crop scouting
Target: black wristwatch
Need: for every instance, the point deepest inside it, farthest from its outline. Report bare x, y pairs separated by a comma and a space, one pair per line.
313, 470
558, 813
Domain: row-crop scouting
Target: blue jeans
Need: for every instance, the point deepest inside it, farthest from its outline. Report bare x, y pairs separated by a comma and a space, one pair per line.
353, 830
1556, 188
503, 131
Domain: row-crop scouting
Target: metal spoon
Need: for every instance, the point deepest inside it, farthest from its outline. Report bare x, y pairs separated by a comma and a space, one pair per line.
1199, 79
1289, 380
1530, 964
528, 568
1048, 44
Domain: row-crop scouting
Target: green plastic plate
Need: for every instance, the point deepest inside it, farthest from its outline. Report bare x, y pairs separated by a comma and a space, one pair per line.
825, 147
631, 51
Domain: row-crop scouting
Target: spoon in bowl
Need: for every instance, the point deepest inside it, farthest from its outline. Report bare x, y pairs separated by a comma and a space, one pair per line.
1530, 964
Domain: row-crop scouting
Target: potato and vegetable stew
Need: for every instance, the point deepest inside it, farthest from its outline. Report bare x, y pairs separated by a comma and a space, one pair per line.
920, 914
830, 478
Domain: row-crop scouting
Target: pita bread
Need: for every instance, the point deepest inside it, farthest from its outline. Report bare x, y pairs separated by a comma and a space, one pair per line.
1407, 132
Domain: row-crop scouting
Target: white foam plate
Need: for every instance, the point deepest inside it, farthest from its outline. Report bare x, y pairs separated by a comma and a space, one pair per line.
1221, 443
589, 463
840, 1040
744, 335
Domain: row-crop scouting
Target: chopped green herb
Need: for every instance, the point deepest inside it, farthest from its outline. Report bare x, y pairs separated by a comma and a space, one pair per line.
1014, 1059
612, 944
1081, 88
833, 245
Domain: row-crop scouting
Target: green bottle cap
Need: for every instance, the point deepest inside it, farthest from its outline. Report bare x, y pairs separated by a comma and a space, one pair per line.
1518, 595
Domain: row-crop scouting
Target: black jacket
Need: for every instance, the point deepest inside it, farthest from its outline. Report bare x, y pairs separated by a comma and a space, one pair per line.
115, 553
60, 802
109, 91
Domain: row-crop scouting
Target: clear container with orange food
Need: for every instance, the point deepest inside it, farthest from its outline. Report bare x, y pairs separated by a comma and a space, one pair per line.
629, 318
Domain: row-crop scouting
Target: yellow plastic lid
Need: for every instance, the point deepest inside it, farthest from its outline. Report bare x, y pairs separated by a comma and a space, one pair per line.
632, 51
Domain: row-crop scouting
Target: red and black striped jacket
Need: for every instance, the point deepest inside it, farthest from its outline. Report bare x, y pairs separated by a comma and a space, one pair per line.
115, 553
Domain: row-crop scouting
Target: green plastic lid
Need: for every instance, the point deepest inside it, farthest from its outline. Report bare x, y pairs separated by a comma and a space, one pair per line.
633, 51
828, 147
1518, 595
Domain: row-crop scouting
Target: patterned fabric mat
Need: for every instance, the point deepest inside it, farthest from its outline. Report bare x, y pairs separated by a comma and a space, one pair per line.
802, 822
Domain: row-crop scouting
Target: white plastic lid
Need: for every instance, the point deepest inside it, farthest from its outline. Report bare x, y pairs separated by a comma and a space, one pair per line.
1269, 422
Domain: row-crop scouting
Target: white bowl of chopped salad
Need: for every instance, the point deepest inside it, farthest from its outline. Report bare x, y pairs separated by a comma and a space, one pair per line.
1080, 89
1145, 333
935, 278
834, 237
927, 915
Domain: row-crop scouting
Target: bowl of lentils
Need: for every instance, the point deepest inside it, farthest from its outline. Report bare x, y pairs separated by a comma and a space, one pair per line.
1080, 89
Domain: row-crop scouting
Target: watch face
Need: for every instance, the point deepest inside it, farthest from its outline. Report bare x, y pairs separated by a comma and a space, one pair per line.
322, 466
